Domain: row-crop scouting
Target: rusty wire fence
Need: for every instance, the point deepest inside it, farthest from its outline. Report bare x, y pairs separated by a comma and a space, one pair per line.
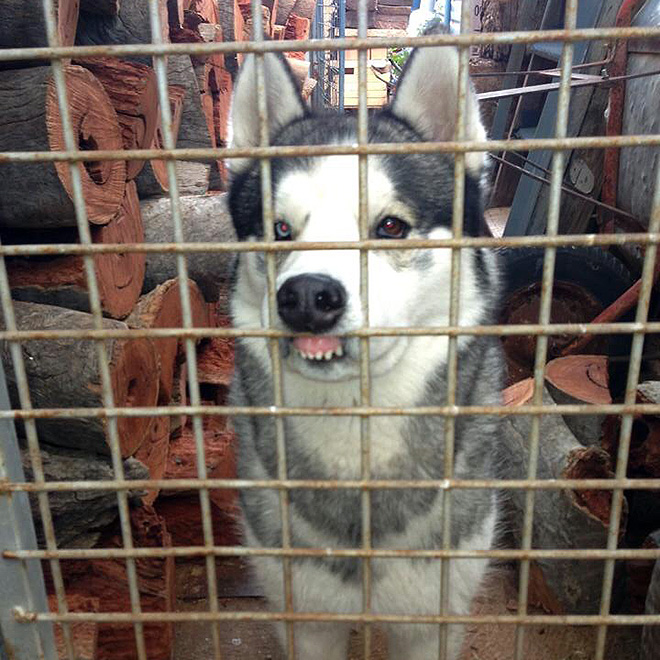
25, 614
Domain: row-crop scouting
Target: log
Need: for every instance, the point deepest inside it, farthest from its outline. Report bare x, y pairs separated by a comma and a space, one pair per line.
152, 180
519, 394
372, 5
221, 92
278, 32
62, 280
64, 373
246, 10
580, 379
305, 9
175, 14
107, 580
79, 517
651, 633
639, 575
193, 131
134, 95
103, 7
153, 454
38, 195
220, 454
183, 517
204, 219
130, 26
161, 308
215, 361
296, 27
284, 8
577, 519
232, 23
22, 25
85, 634
179, 394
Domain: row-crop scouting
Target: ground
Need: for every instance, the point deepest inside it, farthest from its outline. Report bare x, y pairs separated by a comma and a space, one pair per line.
256, 641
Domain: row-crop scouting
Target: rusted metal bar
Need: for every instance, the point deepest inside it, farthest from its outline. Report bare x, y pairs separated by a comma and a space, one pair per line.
314, 45
382, 553
302, 617
350, 411
333, 484
536, 144
650, 238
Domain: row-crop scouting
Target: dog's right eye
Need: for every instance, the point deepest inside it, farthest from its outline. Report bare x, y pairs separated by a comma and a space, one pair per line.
282, 231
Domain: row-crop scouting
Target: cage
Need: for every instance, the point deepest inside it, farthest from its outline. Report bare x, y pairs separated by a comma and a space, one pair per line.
127, 395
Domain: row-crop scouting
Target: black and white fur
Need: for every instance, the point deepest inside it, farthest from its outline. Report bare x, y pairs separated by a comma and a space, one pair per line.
318, 198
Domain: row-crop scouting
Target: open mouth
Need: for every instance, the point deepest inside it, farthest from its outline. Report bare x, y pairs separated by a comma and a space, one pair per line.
319, 349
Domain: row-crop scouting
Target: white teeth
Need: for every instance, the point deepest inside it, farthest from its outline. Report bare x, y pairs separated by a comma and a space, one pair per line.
328, 355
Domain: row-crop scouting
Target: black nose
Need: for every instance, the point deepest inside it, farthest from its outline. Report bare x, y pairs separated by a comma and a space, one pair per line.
311, 303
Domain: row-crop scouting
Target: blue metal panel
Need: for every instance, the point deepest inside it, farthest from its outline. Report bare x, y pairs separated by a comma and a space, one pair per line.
521, 218
22, 581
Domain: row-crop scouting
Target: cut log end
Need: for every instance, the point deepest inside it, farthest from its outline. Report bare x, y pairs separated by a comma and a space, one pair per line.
592, 463
134, 384
583, 377
95, 126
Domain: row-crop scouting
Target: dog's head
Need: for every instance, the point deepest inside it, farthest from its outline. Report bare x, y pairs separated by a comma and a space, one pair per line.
317, 199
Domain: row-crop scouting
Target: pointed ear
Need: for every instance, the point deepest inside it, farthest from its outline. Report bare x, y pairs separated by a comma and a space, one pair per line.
427, 99
283, 99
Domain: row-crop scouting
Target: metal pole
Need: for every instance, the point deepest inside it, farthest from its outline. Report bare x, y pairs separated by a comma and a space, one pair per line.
448, 13
22, 581
342, 53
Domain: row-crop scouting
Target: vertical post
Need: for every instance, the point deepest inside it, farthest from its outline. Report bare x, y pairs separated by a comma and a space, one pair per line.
342, 54
316, 58
22, 581
448, 13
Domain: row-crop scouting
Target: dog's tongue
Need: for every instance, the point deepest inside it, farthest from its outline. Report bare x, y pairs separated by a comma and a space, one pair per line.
314, 345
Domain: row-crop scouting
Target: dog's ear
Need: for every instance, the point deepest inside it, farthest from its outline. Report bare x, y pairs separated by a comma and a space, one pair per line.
283, 99
427, 98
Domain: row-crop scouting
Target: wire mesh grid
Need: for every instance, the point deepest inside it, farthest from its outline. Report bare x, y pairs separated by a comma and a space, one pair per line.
460, 146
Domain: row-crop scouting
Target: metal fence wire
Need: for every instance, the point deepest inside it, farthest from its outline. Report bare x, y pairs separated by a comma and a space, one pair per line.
24, 610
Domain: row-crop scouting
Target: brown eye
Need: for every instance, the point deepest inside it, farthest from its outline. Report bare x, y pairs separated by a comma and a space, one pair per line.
282, 231
392, 228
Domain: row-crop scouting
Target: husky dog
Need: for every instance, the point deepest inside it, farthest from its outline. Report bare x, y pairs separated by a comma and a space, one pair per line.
317, 199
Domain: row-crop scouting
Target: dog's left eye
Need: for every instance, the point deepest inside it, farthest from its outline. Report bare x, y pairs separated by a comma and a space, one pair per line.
391, 227
282, 231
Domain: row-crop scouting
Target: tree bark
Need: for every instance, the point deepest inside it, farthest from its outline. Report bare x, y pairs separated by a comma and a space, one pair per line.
65, 373
62, 281
577, 519
131, 26
134, 95
204, 219
232, 23
79, 517
193, 131
39, 195
22, 25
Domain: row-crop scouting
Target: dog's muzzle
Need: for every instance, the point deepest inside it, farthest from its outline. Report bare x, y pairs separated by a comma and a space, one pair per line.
313, 303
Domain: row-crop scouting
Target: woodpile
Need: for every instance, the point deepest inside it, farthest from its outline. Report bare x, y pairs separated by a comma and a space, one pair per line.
114, 105
584, 447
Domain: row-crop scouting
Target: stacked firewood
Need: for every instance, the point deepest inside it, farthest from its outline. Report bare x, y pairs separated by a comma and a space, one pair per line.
113, 105
585, 447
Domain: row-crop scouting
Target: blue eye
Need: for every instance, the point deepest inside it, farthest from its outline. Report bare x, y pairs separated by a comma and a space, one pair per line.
282, 231
392, 227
